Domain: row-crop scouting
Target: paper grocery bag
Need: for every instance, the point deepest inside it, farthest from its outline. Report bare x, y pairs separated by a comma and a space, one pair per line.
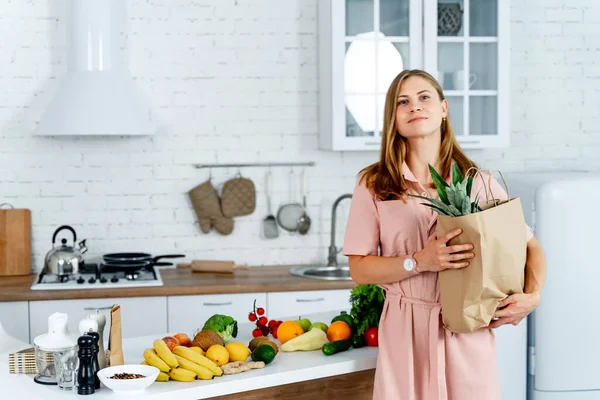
115, 340
470, 296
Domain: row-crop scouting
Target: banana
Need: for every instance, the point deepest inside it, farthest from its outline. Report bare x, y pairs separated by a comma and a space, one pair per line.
144, 363
162, 377
153, 359
202, 372
197, 350
163, 352
194, 357
182, 375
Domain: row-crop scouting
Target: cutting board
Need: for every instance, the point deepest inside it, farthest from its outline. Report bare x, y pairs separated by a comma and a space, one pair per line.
15, 241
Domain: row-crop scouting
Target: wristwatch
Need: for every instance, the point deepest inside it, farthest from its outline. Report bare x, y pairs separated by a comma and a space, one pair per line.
410, 264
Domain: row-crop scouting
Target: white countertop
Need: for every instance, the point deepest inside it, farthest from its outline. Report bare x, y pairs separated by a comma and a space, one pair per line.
286, 368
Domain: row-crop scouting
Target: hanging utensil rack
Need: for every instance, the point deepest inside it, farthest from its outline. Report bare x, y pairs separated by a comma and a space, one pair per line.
272, 164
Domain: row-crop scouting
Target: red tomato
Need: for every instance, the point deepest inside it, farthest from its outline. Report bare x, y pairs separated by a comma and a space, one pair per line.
372, 337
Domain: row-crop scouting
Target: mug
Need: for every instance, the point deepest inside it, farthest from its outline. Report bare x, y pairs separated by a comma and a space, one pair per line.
458, 79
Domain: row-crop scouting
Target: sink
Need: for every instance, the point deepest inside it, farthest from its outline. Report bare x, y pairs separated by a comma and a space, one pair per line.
323, 272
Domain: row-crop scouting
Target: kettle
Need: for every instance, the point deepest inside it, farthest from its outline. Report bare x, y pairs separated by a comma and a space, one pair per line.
64, 260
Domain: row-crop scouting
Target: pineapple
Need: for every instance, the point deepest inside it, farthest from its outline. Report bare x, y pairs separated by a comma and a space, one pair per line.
455, 198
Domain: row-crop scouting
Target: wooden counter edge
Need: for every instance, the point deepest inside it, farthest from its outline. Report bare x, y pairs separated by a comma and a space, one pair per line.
179, 282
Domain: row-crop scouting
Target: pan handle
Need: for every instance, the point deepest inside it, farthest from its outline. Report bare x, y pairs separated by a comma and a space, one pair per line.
155, 259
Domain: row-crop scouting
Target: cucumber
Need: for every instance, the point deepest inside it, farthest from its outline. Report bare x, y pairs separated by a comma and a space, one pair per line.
336, 347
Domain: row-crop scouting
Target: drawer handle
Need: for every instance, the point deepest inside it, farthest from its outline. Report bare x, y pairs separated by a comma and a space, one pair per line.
227, 303
310, 300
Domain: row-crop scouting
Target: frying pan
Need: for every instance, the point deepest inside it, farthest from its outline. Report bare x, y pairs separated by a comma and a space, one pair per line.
135, 261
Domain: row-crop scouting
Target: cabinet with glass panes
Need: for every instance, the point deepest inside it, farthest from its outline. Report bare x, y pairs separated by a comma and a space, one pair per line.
364, 44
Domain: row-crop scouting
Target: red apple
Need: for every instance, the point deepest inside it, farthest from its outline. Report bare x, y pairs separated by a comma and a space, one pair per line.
171, 342
183, 339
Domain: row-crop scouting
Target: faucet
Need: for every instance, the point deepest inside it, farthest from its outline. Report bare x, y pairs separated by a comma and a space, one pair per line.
332, 259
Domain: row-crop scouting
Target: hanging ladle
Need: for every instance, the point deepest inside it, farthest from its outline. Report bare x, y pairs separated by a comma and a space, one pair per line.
304, 220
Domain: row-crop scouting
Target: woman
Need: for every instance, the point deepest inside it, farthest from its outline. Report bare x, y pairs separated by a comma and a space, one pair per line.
390, 241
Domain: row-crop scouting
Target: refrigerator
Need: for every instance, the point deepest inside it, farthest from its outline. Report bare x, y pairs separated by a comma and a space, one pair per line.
563, 361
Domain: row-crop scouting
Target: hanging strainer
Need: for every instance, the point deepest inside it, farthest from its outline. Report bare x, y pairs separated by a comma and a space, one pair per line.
289, 213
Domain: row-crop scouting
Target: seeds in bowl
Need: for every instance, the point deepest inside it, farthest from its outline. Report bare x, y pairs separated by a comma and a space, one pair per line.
127, 375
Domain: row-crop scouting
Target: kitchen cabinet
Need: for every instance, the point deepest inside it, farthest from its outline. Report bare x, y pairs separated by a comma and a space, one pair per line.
14, 317
364, 44
511, 354
141, 316
188, 313
292, 304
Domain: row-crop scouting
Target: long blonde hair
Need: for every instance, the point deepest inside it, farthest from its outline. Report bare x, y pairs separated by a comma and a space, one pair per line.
384, 178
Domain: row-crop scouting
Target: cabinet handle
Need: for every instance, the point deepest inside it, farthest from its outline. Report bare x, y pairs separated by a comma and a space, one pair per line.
372, 143
227, 303
310, 300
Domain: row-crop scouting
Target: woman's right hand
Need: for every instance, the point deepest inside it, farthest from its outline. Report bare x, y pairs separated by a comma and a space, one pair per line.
438, 256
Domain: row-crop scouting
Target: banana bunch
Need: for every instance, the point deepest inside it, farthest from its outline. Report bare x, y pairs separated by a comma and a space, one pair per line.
183, 364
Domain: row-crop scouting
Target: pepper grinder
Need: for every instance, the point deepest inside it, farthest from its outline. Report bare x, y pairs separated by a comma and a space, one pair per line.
95, 365
85, 374
100, 319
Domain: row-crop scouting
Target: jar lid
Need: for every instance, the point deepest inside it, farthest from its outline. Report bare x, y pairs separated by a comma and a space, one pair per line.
58, 336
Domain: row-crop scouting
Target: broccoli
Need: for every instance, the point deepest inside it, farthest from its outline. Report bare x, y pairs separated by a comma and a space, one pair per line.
224, 325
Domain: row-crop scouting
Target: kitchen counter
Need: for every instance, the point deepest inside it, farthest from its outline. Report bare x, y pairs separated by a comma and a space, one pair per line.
291, 369
178, 282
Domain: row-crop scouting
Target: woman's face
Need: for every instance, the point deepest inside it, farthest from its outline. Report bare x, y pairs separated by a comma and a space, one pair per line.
419, 109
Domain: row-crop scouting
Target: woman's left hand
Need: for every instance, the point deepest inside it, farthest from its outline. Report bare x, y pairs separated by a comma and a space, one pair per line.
518, 306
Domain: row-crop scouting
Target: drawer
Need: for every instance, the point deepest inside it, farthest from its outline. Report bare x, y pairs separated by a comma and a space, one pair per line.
296, 304
188, 314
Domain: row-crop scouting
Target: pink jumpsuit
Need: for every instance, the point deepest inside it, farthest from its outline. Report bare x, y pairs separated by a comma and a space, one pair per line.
418, 359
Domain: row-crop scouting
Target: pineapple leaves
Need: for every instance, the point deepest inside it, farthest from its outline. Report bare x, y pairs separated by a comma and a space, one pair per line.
440, 184
455, 198
456, 175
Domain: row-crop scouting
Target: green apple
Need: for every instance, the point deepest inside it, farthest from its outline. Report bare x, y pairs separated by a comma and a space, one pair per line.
319, 325
305, 324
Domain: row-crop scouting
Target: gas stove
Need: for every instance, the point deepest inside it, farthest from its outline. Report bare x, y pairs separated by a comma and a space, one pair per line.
98, 276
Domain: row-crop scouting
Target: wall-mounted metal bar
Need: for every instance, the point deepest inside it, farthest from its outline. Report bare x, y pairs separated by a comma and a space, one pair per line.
273, 164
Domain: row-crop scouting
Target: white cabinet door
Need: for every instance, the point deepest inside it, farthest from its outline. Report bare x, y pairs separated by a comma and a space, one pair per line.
188, 314
511, 352
14, 316
140, 316
296, 304
363, 45
467, 47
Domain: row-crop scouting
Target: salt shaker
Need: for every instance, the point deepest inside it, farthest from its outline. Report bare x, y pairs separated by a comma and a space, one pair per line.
85, 374
95, 365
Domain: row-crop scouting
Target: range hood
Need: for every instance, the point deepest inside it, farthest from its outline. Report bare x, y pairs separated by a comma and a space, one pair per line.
96, 96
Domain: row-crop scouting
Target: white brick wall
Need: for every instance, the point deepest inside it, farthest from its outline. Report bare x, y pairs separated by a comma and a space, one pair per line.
236, 80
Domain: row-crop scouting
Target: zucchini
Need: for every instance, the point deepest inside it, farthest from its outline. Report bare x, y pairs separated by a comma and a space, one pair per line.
336, 347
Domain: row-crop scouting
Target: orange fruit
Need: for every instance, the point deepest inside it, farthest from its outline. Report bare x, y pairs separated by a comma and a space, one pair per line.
338, 330
288, 330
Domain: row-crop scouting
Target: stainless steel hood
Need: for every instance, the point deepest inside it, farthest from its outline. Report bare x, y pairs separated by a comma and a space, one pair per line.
96, 96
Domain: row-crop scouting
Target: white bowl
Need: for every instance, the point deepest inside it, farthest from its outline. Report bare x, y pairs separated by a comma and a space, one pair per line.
128, 385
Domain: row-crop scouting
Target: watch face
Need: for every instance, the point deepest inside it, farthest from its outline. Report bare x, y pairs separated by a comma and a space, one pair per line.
409, 264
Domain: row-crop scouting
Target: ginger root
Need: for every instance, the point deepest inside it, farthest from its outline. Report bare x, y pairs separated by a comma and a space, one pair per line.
241, 366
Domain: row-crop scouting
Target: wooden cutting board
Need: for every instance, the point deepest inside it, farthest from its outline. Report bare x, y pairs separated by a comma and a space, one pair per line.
15, 241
